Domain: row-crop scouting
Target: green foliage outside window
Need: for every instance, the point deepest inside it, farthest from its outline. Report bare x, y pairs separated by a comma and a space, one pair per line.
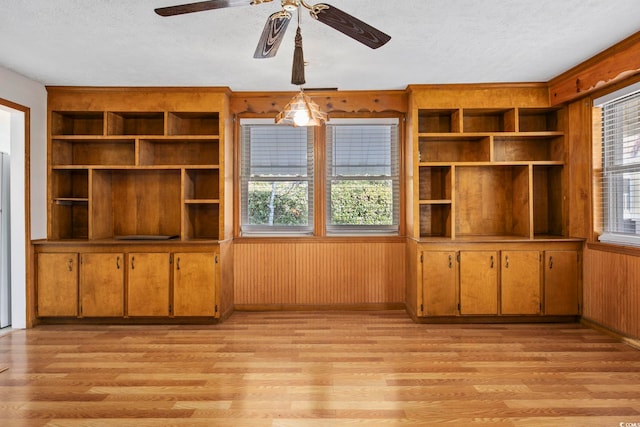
278, 203
352, 203
361, 203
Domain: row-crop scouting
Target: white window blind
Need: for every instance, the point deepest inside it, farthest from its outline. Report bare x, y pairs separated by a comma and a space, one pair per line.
363, 185
619, 175
276, 178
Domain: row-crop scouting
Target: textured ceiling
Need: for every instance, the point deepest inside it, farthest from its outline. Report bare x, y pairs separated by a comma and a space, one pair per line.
124, 43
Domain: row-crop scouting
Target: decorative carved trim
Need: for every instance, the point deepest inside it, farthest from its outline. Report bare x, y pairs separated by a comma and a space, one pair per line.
329, 101
612, 65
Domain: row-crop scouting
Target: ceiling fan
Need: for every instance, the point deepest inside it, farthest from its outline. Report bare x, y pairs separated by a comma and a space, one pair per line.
277, 23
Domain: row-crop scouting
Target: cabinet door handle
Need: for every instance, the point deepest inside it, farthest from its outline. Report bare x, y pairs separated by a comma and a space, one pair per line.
118, 263
550, 262
506, 261
70, 264
491, 261
132, 262
450, 261
178, 263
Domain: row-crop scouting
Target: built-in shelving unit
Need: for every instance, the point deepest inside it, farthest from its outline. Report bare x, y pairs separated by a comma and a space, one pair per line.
135, 173
489, 172
487, 222
136, 198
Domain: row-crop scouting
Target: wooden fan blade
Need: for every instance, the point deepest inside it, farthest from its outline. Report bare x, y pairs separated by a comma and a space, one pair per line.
350, 25
272, 35
200, 6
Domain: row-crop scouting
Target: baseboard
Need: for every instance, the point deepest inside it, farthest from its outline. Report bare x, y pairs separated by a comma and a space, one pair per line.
630, 341
320, 307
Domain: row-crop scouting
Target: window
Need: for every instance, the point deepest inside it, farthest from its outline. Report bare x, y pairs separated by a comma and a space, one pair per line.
276, 178
618, 171
362, 193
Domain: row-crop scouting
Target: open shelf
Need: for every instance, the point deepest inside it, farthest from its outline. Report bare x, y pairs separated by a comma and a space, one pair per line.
69, 207
178, 152
492, 201
135, 123
446, 148
528, 148
83, 123
70, 184
135, 202
540, 119
435, 183
439, 121
202, 184
489, 120
547, 200
202, 221
435, 220
109, 152
200, 123
69, 219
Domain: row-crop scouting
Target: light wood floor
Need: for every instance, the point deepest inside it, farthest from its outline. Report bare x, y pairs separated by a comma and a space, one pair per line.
318, 369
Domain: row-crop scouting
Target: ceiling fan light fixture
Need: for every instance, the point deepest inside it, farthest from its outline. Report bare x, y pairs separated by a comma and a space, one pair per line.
301, 111
290, 5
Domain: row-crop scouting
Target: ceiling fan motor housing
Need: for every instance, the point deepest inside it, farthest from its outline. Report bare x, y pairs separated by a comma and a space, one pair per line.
290, 5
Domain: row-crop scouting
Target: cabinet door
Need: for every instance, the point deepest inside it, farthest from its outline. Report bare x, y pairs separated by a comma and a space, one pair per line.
478, 282
57, 284
561, 283
148, 284
439, 291
102, 285
520, 282
194, 284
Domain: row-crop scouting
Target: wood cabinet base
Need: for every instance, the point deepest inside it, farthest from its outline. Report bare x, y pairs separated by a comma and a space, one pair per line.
143, 282
494, 281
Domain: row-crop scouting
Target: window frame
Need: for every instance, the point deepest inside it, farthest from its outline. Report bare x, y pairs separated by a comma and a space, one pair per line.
318, 227
394, 176
245, 229
610, 170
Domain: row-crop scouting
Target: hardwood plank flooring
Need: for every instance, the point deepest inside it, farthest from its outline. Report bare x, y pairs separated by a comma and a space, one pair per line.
317, 369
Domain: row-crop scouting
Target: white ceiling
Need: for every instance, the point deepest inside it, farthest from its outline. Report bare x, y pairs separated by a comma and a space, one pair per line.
124, 43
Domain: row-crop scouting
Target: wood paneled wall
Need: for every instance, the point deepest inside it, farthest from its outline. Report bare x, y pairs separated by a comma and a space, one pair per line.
326, 273
611, 290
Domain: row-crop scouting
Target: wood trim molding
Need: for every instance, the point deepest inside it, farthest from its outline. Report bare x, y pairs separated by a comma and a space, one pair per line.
321, 307
612, 65
616, 249
30, 318
329, 101
612, 333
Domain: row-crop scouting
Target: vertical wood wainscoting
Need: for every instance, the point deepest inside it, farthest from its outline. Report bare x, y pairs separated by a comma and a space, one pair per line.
301, 274
611, 290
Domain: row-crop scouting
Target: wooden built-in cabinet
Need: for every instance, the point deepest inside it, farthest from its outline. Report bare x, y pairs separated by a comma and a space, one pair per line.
101, 284
494, 280
520, 284
137, 284
561, 282
58, 285
137, 180
488, 188
140, 192
194, 284
148, 277
439, 283
478, 282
